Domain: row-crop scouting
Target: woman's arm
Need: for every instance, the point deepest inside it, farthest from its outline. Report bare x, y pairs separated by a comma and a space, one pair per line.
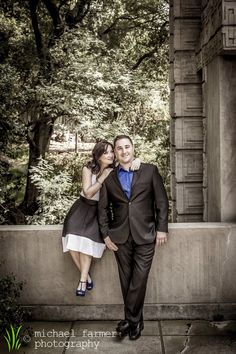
90, 190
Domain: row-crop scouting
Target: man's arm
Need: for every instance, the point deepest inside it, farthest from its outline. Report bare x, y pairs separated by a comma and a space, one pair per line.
103, 218
161, 202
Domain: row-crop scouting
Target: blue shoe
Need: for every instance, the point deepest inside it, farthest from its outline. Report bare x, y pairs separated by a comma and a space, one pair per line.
79, 290
89, 285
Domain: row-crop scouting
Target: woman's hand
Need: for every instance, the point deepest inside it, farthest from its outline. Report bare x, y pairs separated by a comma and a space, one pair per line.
135, 164
104, 175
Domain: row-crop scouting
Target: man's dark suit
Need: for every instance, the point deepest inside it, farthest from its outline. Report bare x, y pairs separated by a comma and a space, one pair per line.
132, 225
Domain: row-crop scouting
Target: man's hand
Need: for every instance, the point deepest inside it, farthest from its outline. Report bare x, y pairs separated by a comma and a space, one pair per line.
161, 238
111, 245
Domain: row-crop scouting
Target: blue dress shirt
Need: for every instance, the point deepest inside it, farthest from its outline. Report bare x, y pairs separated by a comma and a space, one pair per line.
125, 178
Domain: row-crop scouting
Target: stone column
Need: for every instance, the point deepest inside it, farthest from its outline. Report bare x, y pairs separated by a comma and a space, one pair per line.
216, 59
186, 112
221, 139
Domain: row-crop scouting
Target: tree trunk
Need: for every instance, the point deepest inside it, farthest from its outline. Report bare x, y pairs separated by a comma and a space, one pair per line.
39, 139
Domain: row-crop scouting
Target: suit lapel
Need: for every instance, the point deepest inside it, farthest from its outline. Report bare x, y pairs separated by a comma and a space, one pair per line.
135, 179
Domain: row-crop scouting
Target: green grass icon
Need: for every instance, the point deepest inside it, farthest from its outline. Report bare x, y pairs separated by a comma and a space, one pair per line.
12, 338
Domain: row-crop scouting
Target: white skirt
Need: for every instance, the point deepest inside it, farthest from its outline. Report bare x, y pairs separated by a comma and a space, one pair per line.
83, 244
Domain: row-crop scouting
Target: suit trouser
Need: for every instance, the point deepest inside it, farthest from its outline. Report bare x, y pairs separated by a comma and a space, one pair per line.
134, 263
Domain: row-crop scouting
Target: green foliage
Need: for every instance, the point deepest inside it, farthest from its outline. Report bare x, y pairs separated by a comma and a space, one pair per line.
59, 183
12, 315
54, 196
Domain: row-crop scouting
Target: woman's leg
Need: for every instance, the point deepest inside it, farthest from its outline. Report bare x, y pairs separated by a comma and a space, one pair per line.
76, 258
85, 262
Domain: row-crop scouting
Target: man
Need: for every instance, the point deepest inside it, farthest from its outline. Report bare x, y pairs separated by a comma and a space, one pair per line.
133, 218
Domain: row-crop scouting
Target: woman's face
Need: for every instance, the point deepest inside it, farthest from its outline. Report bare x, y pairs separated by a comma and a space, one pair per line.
107, 157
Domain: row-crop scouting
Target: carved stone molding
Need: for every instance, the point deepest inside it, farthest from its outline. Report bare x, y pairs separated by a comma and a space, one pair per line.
189, 166
188, 100
188, 133
218, 35
189, 198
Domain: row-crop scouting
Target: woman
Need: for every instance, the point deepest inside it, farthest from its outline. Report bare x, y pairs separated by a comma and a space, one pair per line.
81, 235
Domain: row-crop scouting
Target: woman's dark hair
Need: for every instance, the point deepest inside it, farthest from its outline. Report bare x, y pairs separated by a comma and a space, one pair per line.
98, 150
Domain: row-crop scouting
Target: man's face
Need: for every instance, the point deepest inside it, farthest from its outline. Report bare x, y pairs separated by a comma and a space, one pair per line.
124, 151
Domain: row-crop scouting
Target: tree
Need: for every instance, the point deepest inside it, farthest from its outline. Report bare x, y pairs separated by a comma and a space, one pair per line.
90, 62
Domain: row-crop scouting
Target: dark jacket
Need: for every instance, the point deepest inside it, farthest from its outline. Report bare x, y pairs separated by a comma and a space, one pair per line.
142, 215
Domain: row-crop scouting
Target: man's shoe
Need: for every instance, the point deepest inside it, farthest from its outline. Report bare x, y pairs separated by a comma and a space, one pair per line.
135, 331
123, 328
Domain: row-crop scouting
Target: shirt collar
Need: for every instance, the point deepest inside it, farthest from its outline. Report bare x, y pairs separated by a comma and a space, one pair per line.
120, 168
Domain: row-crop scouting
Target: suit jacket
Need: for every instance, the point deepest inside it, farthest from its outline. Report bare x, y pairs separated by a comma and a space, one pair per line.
142, 215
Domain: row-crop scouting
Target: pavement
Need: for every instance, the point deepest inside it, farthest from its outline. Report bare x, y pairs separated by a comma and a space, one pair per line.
158, 337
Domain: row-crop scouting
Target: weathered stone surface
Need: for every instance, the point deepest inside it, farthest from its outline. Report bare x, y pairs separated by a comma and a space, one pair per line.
151, 328
172, 135
171, 76
189, 199
173, 186
199, 344
171, 48
188, 133
146, 345
186, 34
229, 39
197, 328
221, 141
189, 218
188, 100
185, 68
187, 8
189, 166
172, 103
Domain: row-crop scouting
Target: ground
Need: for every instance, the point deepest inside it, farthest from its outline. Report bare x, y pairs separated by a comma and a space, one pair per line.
158, 337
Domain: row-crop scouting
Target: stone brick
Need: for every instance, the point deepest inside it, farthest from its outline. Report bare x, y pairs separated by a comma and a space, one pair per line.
187, 8
188, 133
172, 131
189, 166
172, 103
188, 100
185, 68
171, 76
229, 13
171, 48
173, 186
189, 218
186, 33
189, 198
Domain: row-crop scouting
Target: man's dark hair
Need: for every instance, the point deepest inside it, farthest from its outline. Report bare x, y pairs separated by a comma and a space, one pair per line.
122, 136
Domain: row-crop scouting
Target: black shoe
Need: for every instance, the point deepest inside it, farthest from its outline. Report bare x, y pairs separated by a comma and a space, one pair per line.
135, 331
123, 328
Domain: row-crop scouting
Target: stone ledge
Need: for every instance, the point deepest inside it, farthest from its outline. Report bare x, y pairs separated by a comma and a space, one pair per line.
151, 312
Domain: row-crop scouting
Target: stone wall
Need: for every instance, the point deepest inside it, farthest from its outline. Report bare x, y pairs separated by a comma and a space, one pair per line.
192, 276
